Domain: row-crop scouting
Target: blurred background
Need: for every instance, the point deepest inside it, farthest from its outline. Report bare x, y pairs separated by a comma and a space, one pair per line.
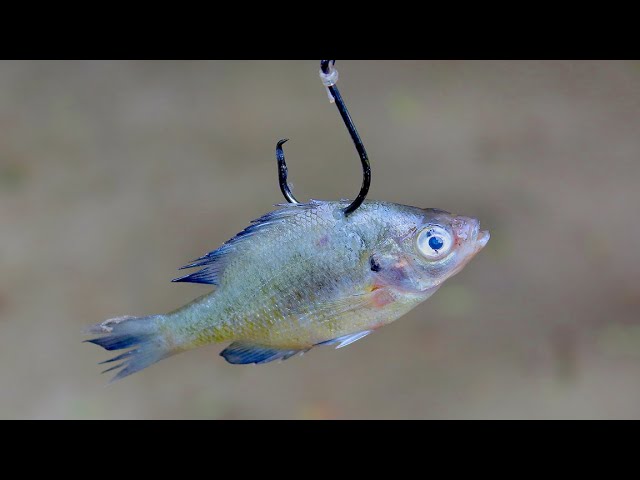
113, 174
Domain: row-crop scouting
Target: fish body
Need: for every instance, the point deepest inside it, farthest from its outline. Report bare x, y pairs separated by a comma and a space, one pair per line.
304, 275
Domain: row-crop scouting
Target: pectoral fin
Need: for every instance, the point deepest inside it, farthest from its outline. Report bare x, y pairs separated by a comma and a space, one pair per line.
374, 299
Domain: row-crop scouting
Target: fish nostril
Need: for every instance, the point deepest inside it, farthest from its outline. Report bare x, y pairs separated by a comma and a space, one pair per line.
461, 228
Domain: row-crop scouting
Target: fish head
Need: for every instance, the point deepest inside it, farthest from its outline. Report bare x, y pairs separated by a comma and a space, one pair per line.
436, 246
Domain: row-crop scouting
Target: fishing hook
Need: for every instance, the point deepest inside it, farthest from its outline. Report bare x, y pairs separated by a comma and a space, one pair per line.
329, 77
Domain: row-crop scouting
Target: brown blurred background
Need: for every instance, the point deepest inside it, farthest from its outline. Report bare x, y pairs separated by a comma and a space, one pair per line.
113, 174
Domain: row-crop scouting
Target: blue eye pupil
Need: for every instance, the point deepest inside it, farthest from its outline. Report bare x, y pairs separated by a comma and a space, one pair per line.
436, 243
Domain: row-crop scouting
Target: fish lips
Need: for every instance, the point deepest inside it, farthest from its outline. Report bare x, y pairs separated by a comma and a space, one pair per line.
482, 239
479, 237
467, 229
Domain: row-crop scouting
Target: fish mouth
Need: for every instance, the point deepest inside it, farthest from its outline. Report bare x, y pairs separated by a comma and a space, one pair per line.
482, 239
468, 231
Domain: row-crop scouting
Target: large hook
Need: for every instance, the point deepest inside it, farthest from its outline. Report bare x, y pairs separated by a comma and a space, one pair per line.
329, 77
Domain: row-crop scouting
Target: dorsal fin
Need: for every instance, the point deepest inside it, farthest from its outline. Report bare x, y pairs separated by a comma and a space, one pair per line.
215, 262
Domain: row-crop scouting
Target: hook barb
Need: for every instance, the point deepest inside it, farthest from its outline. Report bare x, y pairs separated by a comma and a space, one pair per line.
283, 172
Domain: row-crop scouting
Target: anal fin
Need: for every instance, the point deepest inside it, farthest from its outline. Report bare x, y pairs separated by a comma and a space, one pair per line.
244, 352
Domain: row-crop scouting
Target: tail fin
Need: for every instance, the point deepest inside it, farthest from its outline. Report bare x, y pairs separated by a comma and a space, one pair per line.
142, 333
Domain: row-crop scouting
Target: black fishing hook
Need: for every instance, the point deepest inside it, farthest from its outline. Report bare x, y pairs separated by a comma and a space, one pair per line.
329, 79
282, 173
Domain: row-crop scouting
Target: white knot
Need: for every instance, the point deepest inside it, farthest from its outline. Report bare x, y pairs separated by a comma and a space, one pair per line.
329, 79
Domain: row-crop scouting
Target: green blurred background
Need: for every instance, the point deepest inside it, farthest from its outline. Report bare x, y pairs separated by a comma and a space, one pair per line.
113, 174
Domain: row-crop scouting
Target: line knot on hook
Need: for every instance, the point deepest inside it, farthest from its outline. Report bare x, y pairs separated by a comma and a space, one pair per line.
329, 78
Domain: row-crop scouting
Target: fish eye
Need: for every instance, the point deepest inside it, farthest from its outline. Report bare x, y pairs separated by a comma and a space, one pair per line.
434, 242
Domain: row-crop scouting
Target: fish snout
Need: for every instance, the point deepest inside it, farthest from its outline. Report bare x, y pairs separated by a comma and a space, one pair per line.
467, 230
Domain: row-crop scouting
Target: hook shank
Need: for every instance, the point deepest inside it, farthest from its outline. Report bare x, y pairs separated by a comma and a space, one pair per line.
364, 159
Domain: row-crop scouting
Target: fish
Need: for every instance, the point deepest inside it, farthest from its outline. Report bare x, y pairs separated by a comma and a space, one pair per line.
301, 276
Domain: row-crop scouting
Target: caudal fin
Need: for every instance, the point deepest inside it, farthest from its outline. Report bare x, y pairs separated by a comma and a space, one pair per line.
141, 334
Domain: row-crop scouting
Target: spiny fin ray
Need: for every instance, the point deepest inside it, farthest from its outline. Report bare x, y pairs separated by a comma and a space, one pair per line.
215, 262
347, 339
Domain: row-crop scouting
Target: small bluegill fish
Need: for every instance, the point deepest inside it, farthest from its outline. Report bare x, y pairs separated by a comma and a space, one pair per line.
301, 276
